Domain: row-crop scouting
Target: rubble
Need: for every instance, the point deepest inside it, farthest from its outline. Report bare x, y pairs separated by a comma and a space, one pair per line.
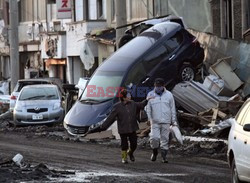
210, 104
13, 170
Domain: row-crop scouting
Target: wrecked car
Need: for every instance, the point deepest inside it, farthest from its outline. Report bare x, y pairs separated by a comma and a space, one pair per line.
239, 145
38, 104
144, 25
165, 50
24, 82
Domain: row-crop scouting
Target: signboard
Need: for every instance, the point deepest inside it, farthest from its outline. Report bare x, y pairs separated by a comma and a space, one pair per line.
63, 9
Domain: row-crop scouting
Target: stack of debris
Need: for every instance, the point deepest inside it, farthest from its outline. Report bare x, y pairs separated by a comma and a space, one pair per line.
17, 170
215, 100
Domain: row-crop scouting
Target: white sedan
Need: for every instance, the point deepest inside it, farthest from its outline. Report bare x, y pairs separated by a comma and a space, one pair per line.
239, 145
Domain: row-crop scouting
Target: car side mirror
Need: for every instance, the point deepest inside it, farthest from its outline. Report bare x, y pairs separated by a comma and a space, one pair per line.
246, 127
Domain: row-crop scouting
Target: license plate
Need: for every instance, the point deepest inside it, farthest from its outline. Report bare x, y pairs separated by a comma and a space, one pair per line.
37, 116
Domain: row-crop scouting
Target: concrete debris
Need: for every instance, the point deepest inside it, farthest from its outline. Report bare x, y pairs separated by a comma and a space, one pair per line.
217, 99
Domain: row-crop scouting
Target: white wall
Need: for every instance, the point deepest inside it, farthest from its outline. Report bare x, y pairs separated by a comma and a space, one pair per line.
76, 34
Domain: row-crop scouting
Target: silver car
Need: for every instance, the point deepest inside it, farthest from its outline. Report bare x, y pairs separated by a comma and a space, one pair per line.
38, 104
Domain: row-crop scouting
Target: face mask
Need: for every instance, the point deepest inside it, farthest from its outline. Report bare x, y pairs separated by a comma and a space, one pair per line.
159, 89
128, 96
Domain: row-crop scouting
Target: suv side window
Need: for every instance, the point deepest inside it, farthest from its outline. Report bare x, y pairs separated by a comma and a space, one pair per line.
243, 114
136, 74
174, 42
154, 58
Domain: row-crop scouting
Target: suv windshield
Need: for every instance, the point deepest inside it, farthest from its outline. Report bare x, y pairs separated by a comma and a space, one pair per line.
39, 93
102, 86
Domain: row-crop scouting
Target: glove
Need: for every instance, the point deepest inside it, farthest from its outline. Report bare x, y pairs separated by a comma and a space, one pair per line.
95, 129
174, 123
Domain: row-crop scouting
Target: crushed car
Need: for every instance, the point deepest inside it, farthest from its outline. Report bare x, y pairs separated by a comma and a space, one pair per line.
166, 50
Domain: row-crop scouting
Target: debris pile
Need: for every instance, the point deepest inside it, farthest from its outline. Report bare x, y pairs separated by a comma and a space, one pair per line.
212, 102
212, 149
15, 169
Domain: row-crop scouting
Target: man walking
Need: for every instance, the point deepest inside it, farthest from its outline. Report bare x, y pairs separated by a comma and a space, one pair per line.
125, 113
161, 113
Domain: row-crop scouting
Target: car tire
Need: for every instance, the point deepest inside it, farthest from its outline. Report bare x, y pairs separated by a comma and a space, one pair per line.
187, 73
234, 173
125, 39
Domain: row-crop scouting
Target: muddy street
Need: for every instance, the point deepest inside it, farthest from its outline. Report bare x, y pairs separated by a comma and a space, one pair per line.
93, 162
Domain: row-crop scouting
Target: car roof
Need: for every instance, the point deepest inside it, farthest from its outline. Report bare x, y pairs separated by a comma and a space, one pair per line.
41, 86
121, 60
31, 80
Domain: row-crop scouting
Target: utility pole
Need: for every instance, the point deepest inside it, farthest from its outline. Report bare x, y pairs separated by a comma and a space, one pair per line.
244, 15
121, 18
14, 43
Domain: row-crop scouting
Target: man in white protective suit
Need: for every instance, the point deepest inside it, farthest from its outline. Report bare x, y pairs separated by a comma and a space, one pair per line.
161, 114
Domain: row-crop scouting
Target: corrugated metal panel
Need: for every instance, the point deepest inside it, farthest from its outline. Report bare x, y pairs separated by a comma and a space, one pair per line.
194, 97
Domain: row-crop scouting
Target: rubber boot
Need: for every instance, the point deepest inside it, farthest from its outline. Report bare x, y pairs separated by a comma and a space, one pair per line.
131, 155
154, 155
164, 156
124, 157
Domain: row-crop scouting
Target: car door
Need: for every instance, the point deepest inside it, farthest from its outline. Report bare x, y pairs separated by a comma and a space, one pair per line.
244, 138
242, 142
161, 61
168, 68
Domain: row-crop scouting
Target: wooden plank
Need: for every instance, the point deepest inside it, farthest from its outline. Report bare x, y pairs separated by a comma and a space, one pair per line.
214, 117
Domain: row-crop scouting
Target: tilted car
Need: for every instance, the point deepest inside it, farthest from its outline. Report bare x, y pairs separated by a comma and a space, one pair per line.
138, 28
38, 104
165, 50
239, 145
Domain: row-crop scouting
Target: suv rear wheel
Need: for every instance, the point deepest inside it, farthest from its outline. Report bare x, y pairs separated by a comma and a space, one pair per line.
187, 73
235, 178
125, 39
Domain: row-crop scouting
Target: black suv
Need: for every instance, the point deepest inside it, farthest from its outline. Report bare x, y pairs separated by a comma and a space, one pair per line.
165, 50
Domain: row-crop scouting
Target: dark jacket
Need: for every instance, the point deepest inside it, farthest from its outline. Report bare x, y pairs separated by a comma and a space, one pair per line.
126, 116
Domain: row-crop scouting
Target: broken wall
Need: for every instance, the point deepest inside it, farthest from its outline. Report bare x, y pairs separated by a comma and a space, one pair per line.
216, 48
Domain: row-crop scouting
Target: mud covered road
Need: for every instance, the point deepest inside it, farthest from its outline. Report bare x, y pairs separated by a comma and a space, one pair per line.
101, 163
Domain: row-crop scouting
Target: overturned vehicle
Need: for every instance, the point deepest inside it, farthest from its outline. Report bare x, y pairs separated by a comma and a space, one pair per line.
165, 50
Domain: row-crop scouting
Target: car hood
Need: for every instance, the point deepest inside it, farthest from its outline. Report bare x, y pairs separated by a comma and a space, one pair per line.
82, 114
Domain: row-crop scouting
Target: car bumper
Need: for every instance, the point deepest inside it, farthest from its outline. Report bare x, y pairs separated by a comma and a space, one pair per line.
55, 116
75, 130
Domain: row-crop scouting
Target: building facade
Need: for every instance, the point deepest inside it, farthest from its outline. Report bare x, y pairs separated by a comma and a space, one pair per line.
57, 46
